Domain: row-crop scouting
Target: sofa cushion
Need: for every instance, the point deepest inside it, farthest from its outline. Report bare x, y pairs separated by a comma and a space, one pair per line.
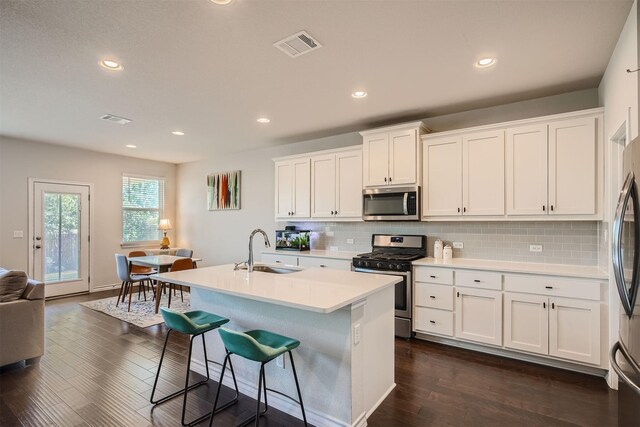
12, 284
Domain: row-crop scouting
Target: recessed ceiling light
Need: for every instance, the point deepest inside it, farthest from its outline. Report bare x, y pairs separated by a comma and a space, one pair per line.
485, 62
130, 146
263, 120
221, 1
359, 94
112, 65
177, 132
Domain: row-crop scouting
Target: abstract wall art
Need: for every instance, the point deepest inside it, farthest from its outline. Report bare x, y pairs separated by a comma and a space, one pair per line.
223, 191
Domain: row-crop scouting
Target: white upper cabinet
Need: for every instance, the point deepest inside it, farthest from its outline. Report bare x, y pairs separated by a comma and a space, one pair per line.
336, 185
483, 173
552, 169
292, 187
527, 170
391, 155
572, 166
349, 184
543, 168
464, 175
442, 186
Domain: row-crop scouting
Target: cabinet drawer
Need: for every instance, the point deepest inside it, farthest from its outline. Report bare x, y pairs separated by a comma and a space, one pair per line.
434, 296
336, 264
553, 286
434, 321
479, 279
280, 259
442, 276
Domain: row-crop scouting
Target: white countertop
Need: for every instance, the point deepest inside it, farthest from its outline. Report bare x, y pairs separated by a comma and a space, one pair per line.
320, 290
587, 272
319, 253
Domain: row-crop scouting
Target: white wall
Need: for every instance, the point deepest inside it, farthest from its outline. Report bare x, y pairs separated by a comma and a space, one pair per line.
221, 236
618, 93
22, 159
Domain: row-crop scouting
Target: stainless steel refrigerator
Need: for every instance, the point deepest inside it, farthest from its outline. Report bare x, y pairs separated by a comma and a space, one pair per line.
625, 354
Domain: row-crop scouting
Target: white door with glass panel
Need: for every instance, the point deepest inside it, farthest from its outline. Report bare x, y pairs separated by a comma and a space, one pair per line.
60, 237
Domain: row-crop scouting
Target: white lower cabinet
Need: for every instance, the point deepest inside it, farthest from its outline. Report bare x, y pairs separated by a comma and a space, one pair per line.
559, 327
434, 321
526, 323
307, 261
574, 330
479, 315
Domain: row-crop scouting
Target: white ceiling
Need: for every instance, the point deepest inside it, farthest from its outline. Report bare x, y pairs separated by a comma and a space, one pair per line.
211, 70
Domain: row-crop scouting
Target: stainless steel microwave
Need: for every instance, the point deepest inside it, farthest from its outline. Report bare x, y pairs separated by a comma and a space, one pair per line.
391, 204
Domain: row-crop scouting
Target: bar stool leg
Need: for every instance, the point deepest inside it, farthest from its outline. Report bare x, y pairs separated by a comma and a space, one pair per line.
295, 377
155, 383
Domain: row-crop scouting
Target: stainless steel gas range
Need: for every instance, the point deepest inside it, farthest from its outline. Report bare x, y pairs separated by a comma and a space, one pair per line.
393, 254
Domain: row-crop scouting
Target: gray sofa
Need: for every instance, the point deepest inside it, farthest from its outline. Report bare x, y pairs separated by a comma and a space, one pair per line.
22, 325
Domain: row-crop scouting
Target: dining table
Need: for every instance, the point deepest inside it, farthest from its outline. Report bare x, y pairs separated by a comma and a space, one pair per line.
162, 264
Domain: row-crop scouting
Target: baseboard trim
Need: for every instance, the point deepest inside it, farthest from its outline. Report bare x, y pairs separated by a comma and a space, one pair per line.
599, 372
314, 417
375, 406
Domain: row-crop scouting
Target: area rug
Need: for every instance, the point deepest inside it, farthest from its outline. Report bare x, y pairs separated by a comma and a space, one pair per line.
142, 312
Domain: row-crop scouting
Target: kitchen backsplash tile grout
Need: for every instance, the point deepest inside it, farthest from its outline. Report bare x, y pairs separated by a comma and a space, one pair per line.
563, 242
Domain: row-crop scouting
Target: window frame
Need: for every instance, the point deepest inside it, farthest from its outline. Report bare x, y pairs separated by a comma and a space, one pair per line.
140, 243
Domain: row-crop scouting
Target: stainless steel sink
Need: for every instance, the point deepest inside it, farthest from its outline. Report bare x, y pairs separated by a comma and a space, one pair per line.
274, 270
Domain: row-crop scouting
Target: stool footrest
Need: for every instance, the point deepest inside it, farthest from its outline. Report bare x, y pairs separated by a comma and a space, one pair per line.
178, 393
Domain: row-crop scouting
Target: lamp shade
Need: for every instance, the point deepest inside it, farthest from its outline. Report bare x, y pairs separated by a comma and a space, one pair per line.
164, 225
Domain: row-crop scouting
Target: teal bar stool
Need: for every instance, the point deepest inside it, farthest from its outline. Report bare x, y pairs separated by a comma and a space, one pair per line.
259, 346
194, 323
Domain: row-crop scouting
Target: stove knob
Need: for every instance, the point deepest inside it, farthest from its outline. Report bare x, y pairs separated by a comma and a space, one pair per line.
391, 266
379, 265
366, 263
399, 266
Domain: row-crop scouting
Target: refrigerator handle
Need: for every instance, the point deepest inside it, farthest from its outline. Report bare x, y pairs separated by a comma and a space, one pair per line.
614, 364
628, 192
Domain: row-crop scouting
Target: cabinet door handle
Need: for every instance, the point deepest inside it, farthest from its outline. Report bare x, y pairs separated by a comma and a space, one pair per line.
432, 322
385, 179
458, 294
552, 208
279, 262
553, 305
432, 296
331, 212
544, 305
433, 277
476, 280
464, 209
336, 213
322, 265
549, 287
544, 208
389, 180
458, 210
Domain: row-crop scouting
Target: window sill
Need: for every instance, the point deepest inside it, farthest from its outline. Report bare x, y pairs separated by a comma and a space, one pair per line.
149, 244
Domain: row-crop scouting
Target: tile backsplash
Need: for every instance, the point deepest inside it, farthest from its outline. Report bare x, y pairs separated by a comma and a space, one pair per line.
563, 242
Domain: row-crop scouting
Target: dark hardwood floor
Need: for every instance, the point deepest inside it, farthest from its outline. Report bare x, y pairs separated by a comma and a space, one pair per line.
99, 371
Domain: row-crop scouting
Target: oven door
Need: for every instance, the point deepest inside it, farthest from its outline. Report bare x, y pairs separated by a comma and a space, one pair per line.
403, 300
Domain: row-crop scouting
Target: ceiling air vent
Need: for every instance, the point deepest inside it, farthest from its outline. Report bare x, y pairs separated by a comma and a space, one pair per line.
115, 119
298, 44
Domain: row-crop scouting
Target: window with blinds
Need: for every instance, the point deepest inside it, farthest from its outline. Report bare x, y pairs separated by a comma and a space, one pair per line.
142, 208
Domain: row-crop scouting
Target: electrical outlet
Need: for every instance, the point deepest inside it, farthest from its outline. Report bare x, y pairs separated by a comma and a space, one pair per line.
356, 333
18, 234
349, 241
458, 245
329, 233
535, 248
280, 361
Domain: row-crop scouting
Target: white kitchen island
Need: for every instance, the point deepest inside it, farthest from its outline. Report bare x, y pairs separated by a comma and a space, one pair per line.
344, 320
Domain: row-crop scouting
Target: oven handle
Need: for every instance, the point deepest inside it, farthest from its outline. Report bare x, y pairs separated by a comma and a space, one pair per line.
388, 273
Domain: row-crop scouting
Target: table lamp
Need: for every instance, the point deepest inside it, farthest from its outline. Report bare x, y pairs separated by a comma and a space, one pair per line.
165, 225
